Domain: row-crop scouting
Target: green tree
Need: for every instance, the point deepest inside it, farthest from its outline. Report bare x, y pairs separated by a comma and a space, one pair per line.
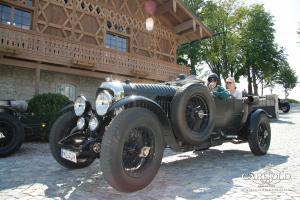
189, 54
259, 50
219, 52
286, 77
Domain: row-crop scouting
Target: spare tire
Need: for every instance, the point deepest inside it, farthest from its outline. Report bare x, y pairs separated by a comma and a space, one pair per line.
192, 114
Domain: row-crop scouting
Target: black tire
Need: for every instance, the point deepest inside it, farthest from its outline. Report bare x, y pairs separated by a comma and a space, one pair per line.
285, 107
61, 128
126, 137
11, 134
188, 126
260, 138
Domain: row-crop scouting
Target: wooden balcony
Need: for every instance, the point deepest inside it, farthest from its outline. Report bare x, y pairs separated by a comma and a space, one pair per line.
67, 56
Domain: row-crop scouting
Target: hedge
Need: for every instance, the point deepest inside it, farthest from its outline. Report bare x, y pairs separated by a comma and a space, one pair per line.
46, 108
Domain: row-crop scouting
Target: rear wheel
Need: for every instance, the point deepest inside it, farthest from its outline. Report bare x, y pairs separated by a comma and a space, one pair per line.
132, 150
63, 127
259, 139
11, 134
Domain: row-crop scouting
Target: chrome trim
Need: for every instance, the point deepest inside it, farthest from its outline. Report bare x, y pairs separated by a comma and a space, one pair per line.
116, 87
85, 105
101, 108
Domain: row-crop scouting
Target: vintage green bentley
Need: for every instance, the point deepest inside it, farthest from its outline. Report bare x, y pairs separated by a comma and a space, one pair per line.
132, 124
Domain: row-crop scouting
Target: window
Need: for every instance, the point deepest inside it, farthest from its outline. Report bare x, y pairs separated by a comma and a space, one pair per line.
5, 14
22, 19
67, 90
119, 43
29, 3
15, 17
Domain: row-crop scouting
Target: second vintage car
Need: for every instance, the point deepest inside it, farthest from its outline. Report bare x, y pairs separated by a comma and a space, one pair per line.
132, 124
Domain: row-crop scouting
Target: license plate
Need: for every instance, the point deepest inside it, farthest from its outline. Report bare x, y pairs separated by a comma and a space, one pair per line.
68, 155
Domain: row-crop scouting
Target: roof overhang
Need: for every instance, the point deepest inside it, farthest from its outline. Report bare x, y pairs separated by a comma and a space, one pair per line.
182, 21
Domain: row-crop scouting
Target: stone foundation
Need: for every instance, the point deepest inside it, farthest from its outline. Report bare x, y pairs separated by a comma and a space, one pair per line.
19, 83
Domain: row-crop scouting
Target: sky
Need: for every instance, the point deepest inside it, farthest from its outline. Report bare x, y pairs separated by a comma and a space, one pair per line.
287, 21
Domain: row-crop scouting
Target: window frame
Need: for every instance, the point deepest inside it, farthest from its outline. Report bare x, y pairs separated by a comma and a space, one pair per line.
12, 17
64, 86
118, 38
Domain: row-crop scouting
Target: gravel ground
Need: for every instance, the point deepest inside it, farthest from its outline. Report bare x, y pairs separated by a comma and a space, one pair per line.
225, 172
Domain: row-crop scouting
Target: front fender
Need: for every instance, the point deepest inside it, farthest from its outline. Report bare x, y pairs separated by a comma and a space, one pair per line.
141, 101
254, 119
9, 110
65, 109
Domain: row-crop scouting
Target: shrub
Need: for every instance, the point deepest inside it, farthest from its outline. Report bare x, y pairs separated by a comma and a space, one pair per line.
293, 101
46, 108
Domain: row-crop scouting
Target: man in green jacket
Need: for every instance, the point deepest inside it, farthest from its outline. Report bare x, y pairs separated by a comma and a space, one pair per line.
217, 90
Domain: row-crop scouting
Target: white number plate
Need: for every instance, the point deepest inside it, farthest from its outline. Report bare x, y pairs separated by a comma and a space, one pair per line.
68, 155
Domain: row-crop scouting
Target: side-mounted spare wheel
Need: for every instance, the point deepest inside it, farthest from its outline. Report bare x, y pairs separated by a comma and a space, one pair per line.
259, 137
132, 149
11, 134
62, 128
192, 114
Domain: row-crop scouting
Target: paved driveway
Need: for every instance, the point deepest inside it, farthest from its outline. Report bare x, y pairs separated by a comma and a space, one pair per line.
226, 172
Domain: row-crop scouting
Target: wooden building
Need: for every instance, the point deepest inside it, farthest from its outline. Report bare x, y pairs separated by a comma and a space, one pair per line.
69, 46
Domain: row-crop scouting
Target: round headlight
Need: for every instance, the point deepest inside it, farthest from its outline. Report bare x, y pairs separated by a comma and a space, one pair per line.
80, 105
103, 101
80, 123
93, 123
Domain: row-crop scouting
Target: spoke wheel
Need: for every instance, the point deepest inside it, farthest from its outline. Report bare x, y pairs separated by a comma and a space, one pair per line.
132, 149
6, 136
11, 134
263, 135
192, 113
138, 151
196, 113
60, 138
285, 107
260, 137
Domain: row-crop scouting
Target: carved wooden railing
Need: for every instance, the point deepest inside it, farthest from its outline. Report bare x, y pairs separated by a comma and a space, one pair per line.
47, 49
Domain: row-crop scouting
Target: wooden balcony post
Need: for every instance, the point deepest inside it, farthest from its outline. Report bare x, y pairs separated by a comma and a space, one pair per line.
37, 80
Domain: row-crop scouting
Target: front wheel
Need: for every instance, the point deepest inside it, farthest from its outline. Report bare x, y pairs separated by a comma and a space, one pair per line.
259, 139
132, 150
62, 128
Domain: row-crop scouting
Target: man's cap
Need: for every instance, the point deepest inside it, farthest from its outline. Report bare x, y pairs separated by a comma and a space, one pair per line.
212, 76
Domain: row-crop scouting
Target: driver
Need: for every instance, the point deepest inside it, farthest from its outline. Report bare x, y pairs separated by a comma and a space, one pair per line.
217, 90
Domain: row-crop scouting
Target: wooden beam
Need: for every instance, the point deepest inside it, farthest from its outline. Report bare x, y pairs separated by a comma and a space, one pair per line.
37, 80
65, 70
185, 26
51, 68
169, 6
9, 50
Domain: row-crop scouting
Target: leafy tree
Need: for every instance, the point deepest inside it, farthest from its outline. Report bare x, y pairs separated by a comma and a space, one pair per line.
219, 52
286, 77
244, 43
189, 54
260, 52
